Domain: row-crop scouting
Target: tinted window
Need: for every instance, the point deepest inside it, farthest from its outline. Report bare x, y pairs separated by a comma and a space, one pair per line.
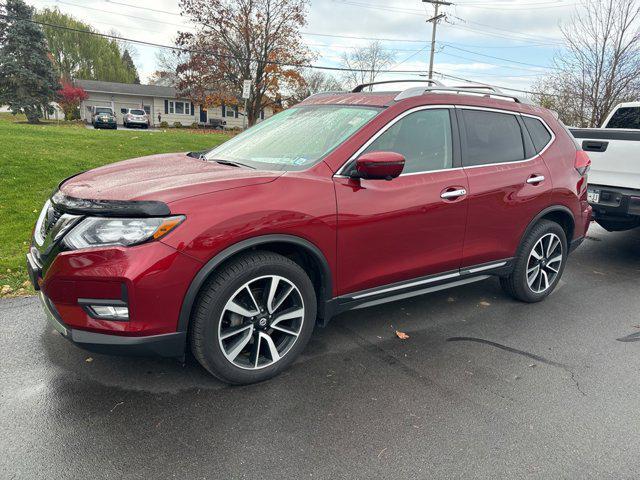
104, 110
627, 117
137, 112
492, 137
539, 133
423, 138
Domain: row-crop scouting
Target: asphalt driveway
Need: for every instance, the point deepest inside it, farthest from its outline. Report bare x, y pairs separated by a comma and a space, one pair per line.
485, 387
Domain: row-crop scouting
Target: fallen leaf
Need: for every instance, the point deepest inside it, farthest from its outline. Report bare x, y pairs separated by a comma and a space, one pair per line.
401, 335
484, 303
451, 299
88, 359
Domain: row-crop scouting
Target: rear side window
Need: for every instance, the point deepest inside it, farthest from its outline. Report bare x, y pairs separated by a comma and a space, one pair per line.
423, 138
539, 133
626, 117
492, 138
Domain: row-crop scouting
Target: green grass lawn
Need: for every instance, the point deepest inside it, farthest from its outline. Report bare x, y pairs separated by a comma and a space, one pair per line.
35, 158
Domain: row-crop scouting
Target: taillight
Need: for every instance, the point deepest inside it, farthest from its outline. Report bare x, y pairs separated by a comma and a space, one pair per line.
583, 162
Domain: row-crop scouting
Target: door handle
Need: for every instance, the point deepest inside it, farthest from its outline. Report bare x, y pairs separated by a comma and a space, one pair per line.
453, 193
535, 179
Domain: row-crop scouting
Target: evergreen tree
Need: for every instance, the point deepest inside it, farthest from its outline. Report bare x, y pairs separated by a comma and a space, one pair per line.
28, 82
129, 65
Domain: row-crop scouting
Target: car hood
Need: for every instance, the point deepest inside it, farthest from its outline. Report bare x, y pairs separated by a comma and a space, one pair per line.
165, 178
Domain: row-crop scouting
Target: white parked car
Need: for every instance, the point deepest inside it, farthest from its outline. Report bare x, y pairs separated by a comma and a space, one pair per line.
614, 179
135, 117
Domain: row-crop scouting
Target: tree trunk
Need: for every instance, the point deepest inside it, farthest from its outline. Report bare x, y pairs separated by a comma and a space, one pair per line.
32, 114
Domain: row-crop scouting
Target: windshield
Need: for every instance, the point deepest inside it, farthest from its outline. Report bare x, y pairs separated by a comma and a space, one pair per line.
136, 112
294, 139
106, 110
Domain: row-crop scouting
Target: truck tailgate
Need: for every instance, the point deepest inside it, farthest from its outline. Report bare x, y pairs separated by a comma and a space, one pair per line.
614, 153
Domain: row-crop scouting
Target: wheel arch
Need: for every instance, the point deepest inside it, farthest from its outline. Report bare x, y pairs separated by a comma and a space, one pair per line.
302, 251
559, 214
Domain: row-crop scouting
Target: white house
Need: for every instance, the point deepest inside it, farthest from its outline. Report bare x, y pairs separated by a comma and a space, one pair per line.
160, 102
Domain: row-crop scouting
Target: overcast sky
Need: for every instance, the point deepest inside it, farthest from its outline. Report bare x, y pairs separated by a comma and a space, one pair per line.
502, 42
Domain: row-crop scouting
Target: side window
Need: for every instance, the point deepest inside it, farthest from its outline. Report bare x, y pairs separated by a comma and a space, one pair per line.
625, 117
539, 133
492, 138
422, 137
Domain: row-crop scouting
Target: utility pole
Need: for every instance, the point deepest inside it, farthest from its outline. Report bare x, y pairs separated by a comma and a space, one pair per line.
434, 21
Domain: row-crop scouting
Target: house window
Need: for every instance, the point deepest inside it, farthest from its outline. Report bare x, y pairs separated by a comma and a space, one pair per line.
180, 108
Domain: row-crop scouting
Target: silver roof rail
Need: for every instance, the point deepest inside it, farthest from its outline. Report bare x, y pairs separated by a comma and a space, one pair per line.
487, 91
362, 86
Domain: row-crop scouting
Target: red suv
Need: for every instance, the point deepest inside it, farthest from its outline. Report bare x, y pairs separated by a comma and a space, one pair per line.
345, 201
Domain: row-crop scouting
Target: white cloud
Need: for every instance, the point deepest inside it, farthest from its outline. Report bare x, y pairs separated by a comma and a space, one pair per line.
515, 31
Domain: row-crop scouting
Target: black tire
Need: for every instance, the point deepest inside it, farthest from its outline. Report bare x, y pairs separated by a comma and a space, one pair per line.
516, 284
220, 288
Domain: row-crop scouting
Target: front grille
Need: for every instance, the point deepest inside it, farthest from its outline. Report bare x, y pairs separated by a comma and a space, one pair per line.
50, 219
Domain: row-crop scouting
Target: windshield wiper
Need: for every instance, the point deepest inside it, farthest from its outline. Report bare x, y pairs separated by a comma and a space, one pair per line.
198, 155
233, 164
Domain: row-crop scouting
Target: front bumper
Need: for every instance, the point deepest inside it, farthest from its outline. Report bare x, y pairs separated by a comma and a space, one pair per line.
166, 345
150, 279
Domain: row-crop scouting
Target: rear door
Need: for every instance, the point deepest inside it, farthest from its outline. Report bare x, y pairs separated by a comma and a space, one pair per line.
509, 183
390, 231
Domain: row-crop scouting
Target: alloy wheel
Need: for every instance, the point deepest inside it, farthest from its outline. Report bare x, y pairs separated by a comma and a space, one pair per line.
543, 265
260, 322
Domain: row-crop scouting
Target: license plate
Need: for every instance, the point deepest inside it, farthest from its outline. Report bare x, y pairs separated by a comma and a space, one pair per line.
593, 196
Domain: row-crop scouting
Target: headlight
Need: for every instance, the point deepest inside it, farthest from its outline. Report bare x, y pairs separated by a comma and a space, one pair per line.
102, 232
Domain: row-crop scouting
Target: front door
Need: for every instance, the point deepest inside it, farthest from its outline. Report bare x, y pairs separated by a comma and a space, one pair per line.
390, 231
509, 183
203, 115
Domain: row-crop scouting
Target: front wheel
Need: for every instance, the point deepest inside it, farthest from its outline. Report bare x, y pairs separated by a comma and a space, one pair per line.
253, 318
539, 263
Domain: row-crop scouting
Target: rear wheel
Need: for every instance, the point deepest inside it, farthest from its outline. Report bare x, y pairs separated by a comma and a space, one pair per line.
539, 264
253, 318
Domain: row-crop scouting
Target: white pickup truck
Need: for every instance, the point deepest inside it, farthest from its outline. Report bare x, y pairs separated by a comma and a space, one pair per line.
614, 178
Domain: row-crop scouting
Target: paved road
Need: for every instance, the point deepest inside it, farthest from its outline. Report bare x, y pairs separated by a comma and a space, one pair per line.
550, 390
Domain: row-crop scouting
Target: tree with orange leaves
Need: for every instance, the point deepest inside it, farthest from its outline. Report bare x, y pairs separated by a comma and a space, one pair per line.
242, 39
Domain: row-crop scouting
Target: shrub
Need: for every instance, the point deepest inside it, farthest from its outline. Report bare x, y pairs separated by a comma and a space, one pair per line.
164, 124
195, 125
177, 125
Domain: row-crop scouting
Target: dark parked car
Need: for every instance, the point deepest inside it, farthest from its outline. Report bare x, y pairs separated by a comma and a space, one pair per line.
103, 117
345, 201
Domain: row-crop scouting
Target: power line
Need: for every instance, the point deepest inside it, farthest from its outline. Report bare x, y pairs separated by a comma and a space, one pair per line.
349, 37
498, 58
216, 55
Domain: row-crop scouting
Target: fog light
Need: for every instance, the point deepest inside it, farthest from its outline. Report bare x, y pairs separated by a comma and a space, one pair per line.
118, 311
103, 311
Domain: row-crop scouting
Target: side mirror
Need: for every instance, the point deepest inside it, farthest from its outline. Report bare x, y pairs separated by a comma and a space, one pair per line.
379, 166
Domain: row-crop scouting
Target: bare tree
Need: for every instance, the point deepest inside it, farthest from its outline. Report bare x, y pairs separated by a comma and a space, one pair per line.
366, 63
314, 81
167, 61
600, 65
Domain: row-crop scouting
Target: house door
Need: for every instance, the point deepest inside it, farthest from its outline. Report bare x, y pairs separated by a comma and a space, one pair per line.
203, 115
